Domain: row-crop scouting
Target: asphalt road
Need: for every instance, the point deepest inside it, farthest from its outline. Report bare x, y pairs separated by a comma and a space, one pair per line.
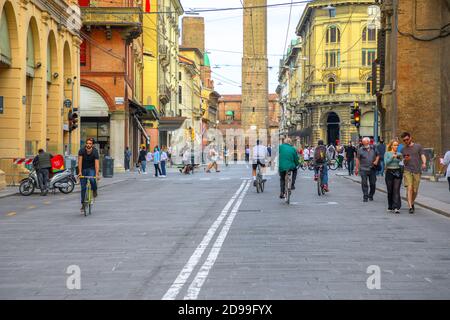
211, 236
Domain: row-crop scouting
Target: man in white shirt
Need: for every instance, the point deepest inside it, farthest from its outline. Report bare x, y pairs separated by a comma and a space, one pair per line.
259, 156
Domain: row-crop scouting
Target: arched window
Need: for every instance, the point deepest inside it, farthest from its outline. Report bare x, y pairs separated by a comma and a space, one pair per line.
333, 35
331, 86
369, 34
30, 53
369, 84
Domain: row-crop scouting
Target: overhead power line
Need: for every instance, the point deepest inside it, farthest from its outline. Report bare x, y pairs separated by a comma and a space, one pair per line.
200, 10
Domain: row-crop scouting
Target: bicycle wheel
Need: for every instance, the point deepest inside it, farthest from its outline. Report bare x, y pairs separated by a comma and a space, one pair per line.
87, 200
258, 185
90, 208
287, 188
333, 165
262, 186
319, 183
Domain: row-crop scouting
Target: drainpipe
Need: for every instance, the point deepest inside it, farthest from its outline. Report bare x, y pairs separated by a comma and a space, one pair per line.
394, 48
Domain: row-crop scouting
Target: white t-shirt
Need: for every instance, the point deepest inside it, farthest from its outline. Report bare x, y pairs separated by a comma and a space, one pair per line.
259, 153
306, 154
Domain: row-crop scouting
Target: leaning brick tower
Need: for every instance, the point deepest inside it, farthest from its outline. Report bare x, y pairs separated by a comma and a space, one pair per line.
254, 66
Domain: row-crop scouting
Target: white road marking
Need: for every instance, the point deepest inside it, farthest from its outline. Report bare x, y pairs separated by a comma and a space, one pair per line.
116, 266
185, 273
205, 179
225, 178
199, 280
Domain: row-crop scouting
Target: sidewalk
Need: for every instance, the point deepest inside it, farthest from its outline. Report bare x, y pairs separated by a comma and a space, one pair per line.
104, 182
432, 195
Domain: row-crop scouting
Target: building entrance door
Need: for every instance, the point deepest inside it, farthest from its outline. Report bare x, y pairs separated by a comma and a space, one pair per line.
333, 128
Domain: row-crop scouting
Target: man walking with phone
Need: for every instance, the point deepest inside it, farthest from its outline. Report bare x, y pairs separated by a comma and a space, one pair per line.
414, 161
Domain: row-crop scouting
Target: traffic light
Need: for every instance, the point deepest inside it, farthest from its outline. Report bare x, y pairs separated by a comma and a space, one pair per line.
356, 115
73, 120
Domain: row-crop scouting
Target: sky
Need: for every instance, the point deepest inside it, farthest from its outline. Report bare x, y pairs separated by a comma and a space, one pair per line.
224, 33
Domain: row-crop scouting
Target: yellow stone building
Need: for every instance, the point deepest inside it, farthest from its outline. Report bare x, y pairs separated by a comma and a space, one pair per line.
338, 46
39, 69
161, 68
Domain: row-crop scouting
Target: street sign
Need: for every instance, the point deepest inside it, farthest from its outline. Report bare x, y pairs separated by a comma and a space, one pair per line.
67, 103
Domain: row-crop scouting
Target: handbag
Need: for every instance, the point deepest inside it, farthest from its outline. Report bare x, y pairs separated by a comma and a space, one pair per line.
397, 173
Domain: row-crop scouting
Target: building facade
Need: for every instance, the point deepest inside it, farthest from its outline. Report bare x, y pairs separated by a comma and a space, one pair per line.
230, 116
168, 69
39, 70
111, 61
331, 71
414, 84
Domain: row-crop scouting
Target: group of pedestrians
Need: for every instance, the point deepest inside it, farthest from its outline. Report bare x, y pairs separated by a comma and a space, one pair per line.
404, 160
159, 157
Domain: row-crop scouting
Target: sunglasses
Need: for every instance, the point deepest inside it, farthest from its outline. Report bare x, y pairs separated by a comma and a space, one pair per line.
406, 139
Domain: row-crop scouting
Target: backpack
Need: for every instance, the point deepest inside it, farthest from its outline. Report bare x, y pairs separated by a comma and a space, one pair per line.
320, 154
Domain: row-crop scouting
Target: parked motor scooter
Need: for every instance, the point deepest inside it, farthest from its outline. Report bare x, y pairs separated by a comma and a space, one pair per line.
64, 181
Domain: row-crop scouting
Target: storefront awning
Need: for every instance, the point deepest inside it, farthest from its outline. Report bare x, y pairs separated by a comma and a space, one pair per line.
152, 113
170, 123
140, 110
141, 127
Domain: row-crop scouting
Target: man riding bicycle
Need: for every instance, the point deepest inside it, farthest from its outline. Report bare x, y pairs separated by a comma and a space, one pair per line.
321, 159
88, 165
288, 161
259, 159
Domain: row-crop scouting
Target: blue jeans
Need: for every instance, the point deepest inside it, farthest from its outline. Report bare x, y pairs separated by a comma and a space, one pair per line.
324, 172
143, 165
91, 173
381, 171
351, 166
163, 168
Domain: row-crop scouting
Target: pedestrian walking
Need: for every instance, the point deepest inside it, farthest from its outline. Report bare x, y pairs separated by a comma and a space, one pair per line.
341, 155
350, 155
156, 160
127, 158
42, 163
213, 160
142, 160
164, 158
169, 157
331, 152
446, 162
366, 165
381, 148
414, 161
247, 154
394, 176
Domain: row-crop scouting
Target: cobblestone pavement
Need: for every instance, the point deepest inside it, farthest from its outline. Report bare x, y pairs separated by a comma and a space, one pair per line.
211, 236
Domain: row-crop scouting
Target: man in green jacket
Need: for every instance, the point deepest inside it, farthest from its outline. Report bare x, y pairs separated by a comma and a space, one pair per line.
288, 160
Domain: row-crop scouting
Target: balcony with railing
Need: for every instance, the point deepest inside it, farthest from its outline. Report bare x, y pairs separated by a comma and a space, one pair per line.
129, 18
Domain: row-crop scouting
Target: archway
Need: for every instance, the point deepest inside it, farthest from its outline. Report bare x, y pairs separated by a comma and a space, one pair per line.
34, 116
54, 103
333, 128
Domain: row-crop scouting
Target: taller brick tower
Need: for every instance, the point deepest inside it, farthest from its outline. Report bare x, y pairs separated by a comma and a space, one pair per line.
254, 67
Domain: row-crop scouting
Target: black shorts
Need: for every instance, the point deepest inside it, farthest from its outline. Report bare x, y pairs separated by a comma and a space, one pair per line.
255, 165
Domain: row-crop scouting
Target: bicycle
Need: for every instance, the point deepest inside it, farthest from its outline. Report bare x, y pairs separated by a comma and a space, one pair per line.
288, 185
259, 182
320, 188
336, 163
89, 197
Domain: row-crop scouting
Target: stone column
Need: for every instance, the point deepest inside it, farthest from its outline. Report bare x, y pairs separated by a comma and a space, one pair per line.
117, 138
